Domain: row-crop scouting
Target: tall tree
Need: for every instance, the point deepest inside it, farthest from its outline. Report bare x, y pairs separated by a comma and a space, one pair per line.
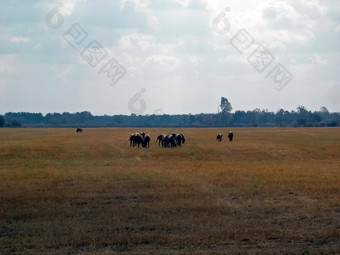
225, 106
225, 116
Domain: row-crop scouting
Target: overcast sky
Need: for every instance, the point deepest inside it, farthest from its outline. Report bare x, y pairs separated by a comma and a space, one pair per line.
176, 60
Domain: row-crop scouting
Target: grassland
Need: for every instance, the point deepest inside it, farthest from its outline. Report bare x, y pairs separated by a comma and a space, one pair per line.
270, 191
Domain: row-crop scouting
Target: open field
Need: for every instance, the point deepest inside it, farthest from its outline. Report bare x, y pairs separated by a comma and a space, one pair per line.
269, 191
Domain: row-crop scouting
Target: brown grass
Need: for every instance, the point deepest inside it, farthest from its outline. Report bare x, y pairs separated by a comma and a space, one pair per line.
269, 191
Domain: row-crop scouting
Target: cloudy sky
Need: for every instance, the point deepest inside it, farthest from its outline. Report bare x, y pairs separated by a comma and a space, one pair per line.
180, 56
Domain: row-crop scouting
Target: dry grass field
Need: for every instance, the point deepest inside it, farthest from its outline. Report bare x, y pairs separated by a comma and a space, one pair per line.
270, 191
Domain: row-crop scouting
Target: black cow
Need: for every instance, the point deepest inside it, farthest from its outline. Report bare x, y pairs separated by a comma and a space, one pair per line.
140, 139
160, 140
230, 136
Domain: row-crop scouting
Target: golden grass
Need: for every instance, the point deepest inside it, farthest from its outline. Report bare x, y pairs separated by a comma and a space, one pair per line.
271, 190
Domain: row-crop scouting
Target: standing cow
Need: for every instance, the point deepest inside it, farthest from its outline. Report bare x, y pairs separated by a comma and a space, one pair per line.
170, 141
219, 137
160, 140
140, 139
146, 141
230, 136
182, 138
136, 140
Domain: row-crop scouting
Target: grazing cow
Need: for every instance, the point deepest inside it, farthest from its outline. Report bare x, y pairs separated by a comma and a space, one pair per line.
165, 141
230, 136
79, 130
136, 140
174, 136
180, 139
170, 141
183, 138
146, 141
139, 139
132, 140
160, 140
219, 137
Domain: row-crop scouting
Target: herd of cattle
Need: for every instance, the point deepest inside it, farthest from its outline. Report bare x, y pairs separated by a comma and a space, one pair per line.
166, 141
172, 140
142, 139
138, 139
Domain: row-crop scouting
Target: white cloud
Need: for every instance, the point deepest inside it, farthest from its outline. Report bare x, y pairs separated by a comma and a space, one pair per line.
153, 22
162, 61
3, 84
233, 58
8, 64
61, 71
127, 59
194, 59
19, 39
316, 59
139, 5
65, 8
37, 46
8, 69
136, 41
277, 21
68, 7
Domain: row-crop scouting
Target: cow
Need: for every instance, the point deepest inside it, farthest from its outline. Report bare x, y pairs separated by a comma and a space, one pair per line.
230, 136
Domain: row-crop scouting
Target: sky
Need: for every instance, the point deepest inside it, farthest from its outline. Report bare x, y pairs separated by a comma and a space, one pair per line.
168, 56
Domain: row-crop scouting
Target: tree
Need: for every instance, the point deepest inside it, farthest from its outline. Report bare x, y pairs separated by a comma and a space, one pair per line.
2, 121
15, 123
302, 116
302, 110
224, 115
253, 117
323, 109
279, 117
239, 118
225, 106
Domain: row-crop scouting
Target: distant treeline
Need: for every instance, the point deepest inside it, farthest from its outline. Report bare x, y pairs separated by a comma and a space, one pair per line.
256, 118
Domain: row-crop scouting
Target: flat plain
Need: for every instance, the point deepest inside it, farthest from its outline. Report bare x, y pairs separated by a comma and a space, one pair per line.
270, 191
